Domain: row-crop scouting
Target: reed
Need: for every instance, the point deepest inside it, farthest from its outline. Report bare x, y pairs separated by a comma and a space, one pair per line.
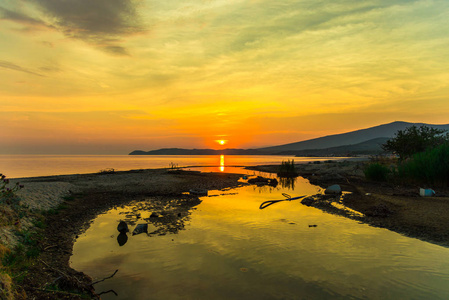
377, 172
287, 169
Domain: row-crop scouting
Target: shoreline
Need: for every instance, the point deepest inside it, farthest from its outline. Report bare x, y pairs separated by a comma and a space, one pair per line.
72, 201
397, 208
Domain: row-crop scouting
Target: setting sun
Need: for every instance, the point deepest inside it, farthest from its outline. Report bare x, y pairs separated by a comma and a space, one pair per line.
222, 142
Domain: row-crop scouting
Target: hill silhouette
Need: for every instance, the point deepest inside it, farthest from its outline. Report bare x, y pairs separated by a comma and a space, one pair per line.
363, 141
349, 138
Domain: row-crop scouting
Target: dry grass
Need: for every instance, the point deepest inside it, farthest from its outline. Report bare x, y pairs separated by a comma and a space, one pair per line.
7, 215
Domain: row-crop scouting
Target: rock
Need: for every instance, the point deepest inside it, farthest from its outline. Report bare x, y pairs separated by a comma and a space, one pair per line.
140, 228
333, 189
258, 180
274, 182
308, 201
198, 192
122, 227
263, 181
331, 177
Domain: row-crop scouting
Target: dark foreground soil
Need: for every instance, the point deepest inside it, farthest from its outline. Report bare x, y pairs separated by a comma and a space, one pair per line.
51, 277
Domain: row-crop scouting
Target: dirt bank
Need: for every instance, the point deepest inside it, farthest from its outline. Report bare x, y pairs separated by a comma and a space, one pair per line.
49, 276
396, 207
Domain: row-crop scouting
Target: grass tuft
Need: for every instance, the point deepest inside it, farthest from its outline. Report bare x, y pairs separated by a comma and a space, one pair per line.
287, 169
377, 172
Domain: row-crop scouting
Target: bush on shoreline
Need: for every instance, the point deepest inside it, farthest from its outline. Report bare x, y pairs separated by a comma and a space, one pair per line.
6, 191
428, 167
377, 172
414, 140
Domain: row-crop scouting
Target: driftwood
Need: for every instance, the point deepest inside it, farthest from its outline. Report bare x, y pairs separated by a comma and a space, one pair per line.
105, 278
107, 292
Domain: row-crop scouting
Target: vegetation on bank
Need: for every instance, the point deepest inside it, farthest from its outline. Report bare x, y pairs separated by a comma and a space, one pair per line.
14, 259
430, 167
377, 172
413, 140
423, 158
20, 246
287, 169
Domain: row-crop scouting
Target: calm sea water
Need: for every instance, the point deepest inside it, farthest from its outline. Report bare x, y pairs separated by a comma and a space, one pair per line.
228, 248
14, 166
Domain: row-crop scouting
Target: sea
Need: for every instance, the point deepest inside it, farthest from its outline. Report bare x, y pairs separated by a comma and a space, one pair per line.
19, 166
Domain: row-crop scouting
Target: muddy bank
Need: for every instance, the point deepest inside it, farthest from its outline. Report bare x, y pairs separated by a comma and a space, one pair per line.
85, 196
396, 207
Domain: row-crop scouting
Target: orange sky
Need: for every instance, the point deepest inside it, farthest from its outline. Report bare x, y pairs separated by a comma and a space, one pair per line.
112, 76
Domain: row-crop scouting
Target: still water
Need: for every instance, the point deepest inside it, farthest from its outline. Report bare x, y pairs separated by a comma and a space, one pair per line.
227, 248
14, 166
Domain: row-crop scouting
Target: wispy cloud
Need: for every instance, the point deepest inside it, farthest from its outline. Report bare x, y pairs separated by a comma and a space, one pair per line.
12, 66
21, 18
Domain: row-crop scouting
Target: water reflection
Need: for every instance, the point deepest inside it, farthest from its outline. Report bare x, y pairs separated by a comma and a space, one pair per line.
222, 163
287, 182
159, 216
122, 238
228, 248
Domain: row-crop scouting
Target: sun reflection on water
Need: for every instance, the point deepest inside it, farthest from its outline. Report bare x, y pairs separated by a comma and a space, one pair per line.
222, 163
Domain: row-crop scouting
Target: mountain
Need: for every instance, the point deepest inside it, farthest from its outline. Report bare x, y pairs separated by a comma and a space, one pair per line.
349, 138
370, 147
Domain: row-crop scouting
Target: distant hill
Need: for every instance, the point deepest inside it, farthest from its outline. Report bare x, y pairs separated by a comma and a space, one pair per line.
345, 139
180, 151
364, 141
370, 147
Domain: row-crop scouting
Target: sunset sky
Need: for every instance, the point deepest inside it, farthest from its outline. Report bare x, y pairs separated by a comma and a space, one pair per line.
112, 76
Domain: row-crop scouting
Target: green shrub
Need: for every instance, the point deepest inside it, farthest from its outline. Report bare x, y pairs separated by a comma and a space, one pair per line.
414, 140
6, 190
429, 167
377, 172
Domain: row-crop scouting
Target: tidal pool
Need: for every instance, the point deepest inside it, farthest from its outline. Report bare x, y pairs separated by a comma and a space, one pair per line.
227, 248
